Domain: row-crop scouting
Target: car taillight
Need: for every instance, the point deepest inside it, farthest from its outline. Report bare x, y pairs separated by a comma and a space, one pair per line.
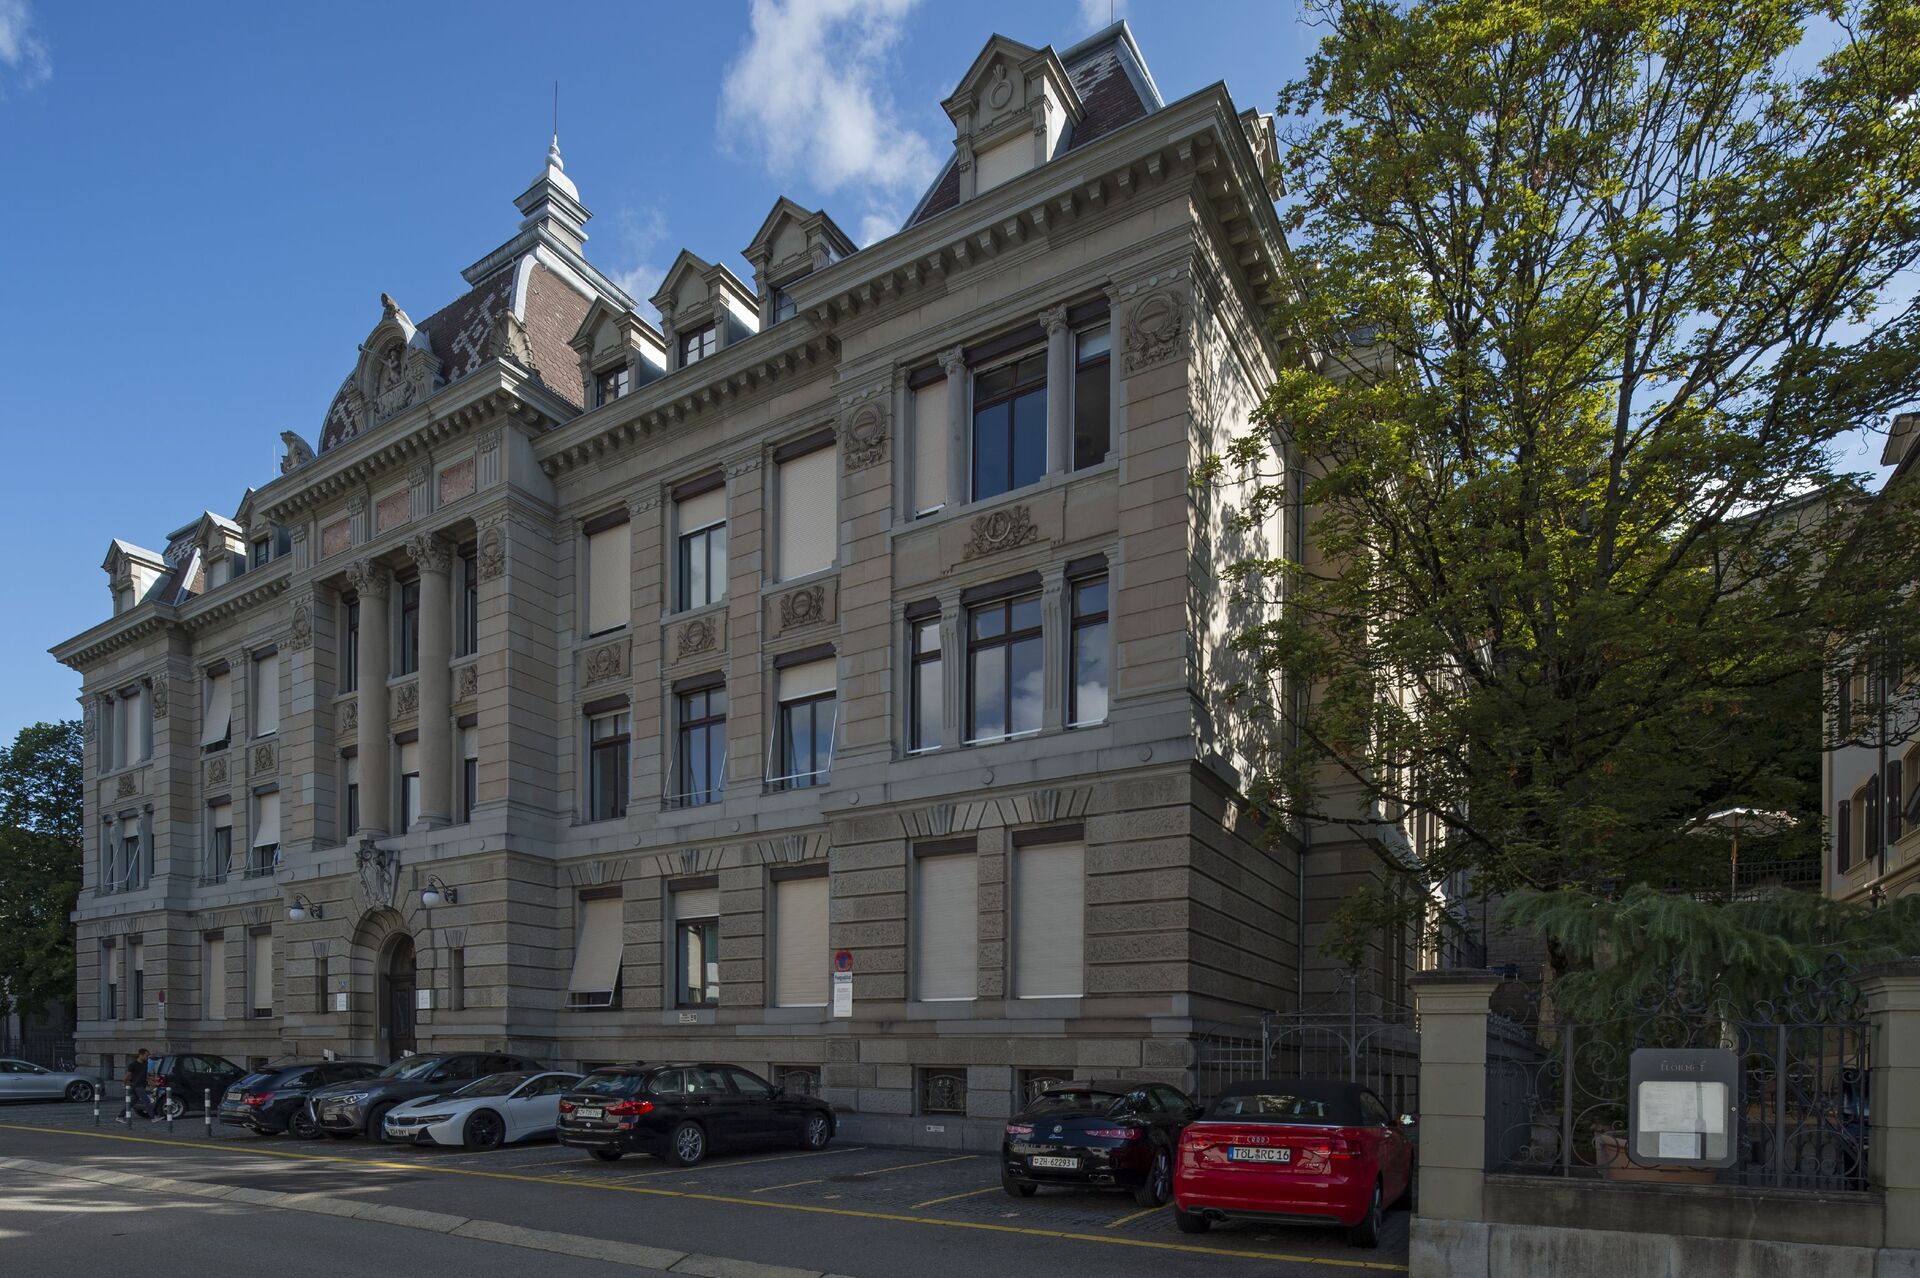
566, 1107
1117, 1133
1019, 1129
1336, 1147
630, 1109
257, 1098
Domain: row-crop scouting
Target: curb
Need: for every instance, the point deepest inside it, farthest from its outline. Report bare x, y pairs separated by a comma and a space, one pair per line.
635, 1255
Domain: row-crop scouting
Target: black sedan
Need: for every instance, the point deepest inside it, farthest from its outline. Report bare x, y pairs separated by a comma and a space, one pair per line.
274, 1100
187, 1081
1097, 1133
683, 1112
346, 1110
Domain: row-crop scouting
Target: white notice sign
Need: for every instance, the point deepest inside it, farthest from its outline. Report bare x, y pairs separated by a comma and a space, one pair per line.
423, 1000
1695, 1109
340, 1001
843, 993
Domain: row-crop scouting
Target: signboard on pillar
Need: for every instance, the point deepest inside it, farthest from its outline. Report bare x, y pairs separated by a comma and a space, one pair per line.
843, 983
1682, 1106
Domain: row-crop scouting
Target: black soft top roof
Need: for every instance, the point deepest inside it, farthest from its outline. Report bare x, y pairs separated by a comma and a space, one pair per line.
1321, 1101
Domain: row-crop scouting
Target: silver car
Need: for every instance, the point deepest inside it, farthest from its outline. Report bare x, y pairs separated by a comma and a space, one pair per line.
20, 1080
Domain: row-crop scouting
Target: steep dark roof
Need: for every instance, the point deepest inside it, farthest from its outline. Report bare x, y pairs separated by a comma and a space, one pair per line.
1113, 87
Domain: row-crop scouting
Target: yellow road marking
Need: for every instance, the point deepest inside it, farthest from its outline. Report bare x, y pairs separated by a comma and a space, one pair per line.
1127, 1220
871, 1172
971, 1193
744, 1162
771, 1204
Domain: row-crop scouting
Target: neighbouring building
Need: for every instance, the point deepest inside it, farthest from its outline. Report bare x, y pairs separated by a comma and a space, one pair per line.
1870, 772
596, 687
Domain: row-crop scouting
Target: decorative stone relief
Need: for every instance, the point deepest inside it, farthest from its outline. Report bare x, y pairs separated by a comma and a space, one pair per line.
160, 696
335, 538
492, 552
466, 682
349, 716
745, 466
456, 481
804, 607
369, 579
864, 440
378, 869
430, 553
406, 700
216, 772
392, 511
697, 636
128, 786
263, 759
300, 634
1001, 530
1156, 329
89, 725
605, 663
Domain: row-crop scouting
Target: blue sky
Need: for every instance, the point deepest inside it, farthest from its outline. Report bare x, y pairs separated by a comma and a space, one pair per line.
205, 203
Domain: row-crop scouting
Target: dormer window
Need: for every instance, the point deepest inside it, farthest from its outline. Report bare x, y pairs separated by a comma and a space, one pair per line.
698, 344
782, 304
262, 552
611, 384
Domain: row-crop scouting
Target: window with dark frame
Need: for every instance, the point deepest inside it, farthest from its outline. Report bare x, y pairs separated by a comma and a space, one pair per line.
1010, 425
609, 741
408, 755
350, 646
1092, 396
1872, 832
350, 770
1895, 792
262, 552
806, 740
782, 303
468, 638
407, 651
700, 766
696, 947
927, 713
219, 843
1843, 834
698, 344
469, 770
1087, 674
1005, 659
457, 978
610, 385
701, 561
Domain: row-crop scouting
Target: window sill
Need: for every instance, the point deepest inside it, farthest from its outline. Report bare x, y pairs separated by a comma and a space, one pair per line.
687, 614
975, 505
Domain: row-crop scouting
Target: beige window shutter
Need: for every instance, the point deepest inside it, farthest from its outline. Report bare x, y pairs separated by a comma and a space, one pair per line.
609, 578
1049, 921
702, 511
266, 695
800, 942
946, 927
930, 427
809, 515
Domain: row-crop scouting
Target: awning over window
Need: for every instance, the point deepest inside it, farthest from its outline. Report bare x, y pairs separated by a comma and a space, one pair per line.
219, 719
266, 819
597, 950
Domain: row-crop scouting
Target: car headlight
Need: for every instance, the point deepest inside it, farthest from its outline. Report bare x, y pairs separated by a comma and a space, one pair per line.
429, 1118
354, 1098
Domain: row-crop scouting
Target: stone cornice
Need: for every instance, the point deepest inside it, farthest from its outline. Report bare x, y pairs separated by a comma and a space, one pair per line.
199, 614
125, 630
243, 593
497, 391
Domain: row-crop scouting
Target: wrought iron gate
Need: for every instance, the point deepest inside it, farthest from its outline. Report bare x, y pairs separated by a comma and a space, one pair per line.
1353, 1036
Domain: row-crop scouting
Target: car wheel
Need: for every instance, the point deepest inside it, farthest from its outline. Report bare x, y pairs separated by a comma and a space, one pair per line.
173, 1107
1367, 1232
301, 1127
1158, 1186
688, 1146
817, 1132
606, 1155
1191, 1222
1017, 1188
484, 1130
377, 1125
80, 1092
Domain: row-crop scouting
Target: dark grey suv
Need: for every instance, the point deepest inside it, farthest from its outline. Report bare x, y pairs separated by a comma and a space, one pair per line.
346, 1110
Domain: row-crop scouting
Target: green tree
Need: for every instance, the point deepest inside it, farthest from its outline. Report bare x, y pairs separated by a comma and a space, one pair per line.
1589, 295
40, 853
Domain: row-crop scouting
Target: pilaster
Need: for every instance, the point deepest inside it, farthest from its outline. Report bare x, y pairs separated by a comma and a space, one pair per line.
373, 583
433, 557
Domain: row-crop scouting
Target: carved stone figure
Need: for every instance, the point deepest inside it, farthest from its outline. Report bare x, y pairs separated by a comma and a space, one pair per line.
1156, 327
298, 453
160, 696
406, 700
349, 717
379, 871
466, 682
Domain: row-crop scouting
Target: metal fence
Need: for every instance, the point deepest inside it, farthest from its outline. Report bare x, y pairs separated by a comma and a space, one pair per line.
1352, 1037
50, 1049
1557, 1091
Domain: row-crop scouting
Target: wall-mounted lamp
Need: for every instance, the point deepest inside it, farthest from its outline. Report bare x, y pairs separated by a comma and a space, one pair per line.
437, 893
303, 909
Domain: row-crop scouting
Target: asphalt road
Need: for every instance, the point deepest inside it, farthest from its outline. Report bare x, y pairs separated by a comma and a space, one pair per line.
866, 1212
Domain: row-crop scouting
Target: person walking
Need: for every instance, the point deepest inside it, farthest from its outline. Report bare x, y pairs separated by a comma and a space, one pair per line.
136, 1084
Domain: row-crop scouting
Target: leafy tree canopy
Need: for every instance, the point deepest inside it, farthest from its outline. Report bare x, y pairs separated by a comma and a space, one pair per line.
40, 850
1588, 295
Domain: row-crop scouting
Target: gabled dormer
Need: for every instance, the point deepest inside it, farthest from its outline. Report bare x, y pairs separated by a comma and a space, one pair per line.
266, 541
1014, 110
619, 353
791, 244
396, 370
703, 310
222, 547
133, 572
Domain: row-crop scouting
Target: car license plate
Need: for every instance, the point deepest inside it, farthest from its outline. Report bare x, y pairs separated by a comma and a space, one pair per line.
1055, 1162
1252, 1154
589, 1111
233, 1093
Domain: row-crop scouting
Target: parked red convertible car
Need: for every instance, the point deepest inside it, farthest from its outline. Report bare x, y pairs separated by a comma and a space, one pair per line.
1294, 1151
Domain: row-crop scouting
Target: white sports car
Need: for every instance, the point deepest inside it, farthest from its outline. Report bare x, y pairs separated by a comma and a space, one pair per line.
485, 1114
23, 1080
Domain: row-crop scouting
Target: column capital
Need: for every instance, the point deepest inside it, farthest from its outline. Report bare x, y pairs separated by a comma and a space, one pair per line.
430, 553
953, 361
369, 578
1054, 319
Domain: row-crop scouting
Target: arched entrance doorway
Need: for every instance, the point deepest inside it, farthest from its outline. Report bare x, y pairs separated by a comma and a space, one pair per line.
398, 981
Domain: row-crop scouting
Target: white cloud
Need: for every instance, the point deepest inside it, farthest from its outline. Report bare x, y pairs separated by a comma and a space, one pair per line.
808, 93
1098, 14
637, 237
877, 226
24, 61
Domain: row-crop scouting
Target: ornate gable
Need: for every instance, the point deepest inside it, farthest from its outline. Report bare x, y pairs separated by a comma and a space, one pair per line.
1014, 110
396, 370
792, 242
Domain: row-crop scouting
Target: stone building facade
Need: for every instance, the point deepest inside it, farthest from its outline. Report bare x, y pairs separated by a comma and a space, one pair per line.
596, 687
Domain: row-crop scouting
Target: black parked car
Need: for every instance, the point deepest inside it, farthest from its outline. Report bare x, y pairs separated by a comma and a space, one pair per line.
1098, 1133
274, 1099
189, 1079
346, 1110
682, 1112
